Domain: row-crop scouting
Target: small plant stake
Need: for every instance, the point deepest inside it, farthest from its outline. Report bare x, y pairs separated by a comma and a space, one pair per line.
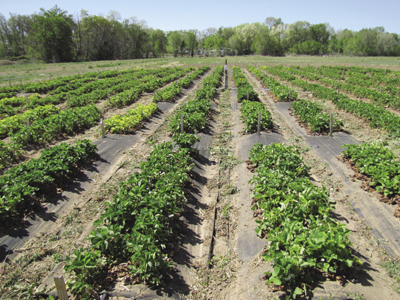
385, 71
381, 90
259, 123
103, 132
181, 123
27, 122
331, 126
61, 288
290, 95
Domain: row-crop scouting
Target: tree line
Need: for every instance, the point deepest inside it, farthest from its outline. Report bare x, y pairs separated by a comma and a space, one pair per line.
55, 36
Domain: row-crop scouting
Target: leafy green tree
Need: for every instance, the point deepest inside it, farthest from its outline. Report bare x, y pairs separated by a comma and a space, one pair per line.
191, 41
53, 33
311, 48
319, 33
365, 43
174, 42
387, 43
159, 42
265, 43
273, 22
237, 44
299, 33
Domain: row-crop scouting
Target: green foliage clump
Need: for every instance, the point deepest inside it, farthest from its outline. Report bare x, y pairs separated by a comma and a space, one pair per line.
379, 164
295, 217
22, 186
312, 114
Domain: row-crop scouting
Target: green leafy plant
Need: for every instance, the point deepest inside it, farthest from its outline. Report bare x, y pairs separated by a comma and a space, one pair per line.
131, 121
22, 187
378, 164
295, 217
313, 116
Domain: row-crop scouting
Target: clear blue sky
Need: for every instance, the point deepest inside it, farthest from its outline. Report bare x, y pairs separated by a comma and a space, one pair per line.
178, 14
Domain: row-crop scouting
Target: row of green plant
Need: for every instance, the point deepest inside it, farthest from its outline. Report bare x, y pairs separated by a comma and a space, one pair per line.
131, 121
10, 154
358, 90
77, 93
171, 92
138, 227
250, 111
109, 82
379, 164
15, 105
11, 125
304, 242
57, 83
7, 95
282, 92
251, 108
244, 88
24, 187
63, 86
376, 116
67, 122
353, 81
371, 77
312, 114
49, 85
131, 94
195, 112
120, 89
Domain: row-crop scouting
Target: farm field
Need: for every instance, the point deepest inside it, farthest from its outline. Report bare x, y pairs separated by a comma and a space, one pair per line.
211, 209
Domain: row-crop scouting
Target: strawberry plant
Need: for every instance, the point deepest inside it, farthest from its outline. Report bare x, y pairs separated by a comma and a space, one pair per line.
281, 92
171, 92
22, 187
9, 154
139, 225
295, 217
250, 111
131, 121
13, 124
243, 86
67, 122
312, 115
195, 112
379, 165
375, 115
